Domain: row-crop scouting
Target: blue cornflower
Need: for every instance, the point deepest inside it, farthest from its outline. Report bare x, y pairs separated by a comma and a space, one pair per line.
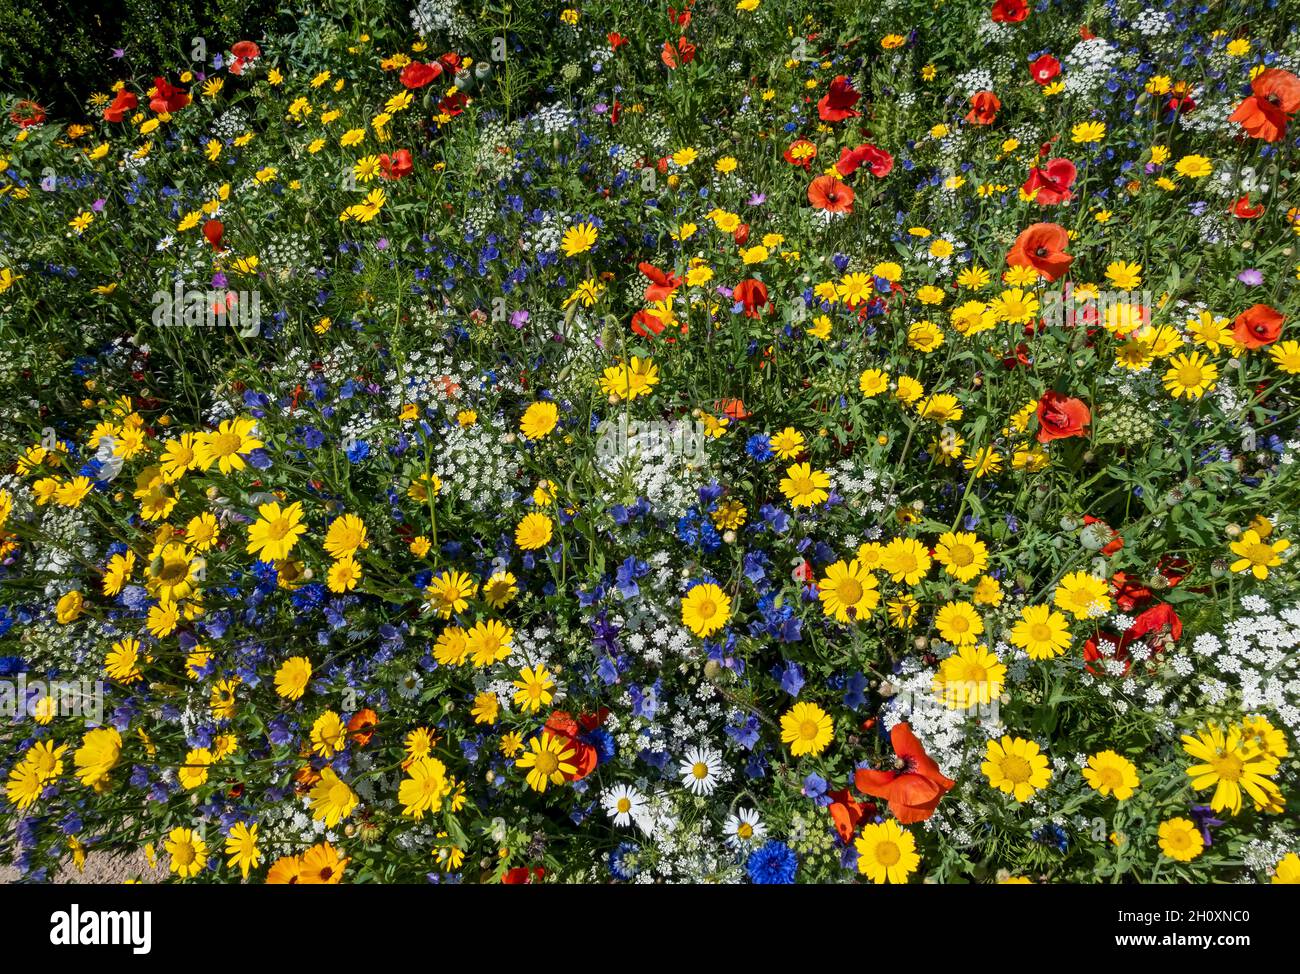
772, 863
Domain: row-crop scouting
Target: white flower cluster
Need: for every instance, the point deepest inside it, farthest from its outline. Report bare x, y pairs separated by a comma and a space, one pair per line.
1258, 659
439, 17
64, 539
1153, 23
287, 828
478, 467
494, 152
289, 253
230, 123
543, 237
979, 79
532, 647
658, 470
1210, 117
1088, 64
553, 119
950, 735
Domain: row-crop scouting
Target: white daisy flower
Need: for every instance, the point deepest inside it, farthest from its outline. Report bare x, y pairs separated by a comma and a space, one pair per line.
700, 769
744, 828
624, 804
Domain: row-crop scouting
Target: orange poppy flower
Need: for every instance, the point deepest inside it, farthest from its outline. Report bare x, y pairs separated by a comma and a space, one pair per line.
1042, 247
984, 108
914, 786
213, 232
828, 193
123, 102
662, 285
733, 409
167, 97
880, 162
362, 726
684, 54
244, 51
1275, 95
1258, 325
1243, 210
846, 812
1009, 11
1053, 181
752, 293
1060, 417
646, 325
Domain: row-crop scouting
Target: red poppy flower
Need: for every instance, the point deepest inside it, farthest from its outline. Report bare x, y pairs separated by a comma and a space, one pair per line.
417, 74
27, 113
1042, 246
123, 102
683, 55
1016, 357
1009, 11
837, 104
1104, 647
1060, 417
646, 324
682, 19
733, 409
984, 109
362, 726
880, 162
1053, 182
846, 812
1044, 69
616, 40
245, 52
1128, 593
1173, 569
1275, 96
523, 875
453, 104
828, 193
913, 787
661, 285
806, 153
1158, 625
167, 97
397, 165
752, 293
1242, 209
741, 234
616, 112
1258, 325
213, 232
